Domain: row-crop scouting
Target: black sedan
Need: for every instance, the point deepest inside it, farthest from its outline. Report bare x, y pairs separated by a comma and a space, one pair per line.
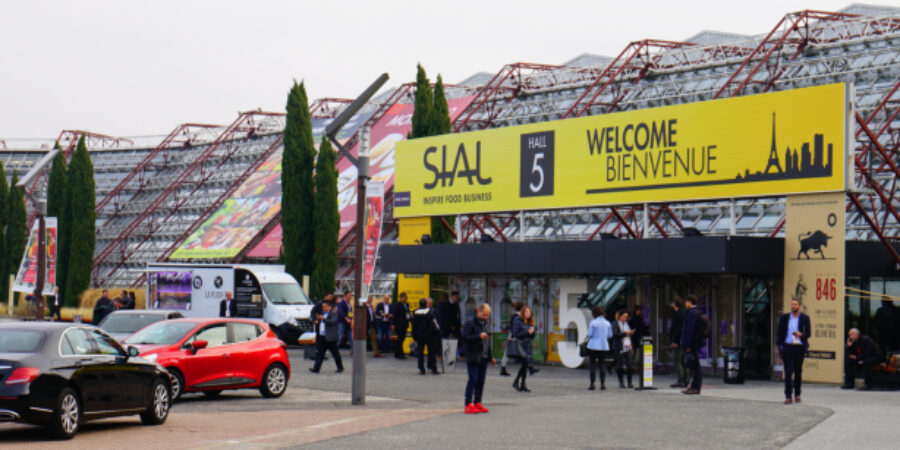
60, 375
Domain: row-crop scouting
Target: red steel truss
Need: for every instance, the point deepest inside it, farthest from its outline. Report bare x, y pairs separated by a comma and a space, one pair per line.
327, 108
184, 133
246, 123
632, 64
67, 140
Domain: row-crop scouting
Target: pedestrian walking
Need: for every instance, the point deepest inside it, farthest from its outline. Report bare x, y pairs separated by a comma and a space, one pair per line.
345, 322
383, 323
327, 338
693, 337
522, 330
862, 353
426, 332
794, 330
598, 335
517, 306
476, 337
675, 341
400, 317
623, 347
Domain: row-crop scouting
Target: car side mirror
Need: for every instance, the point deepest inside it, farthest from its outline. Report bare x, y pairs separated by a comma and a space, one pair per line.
133, 351
197, 345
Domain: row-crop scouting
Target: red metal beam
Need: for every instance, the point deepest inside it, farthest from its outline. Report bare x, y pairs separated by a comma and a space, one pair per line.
874, 225
244, 123
635, 61
183, 130
327, 108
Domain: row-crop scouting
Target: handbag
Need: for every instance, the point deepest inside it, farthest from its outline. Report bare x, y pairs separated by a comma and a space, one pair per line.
514, 349
688, 359
582, 349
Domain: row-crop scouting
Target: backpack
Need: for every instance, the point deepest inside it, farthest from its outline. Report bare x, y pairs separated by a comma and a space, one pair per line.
702, 330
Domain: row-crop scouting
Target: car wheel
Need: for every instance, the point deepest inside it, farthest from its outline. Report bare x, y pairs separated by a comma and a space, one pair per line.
212, 394
158, 409
67, 416
274, 381
177, 384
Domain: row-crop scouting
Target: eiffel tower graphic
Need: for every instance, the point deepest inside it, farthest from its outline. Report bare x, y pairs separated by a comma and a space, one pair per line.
773, 155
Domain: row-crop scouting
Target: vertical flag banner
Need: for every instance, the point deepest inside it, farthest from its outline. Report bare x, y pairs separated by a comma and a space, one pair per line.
814, 275
374, 218
27, 273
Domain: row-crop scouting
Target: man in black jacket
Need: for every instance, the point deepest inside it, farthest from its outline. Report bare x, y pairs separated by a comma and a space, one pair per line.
862, 353
693, 337
636, 322
449, 316
327, 337
55, 303
675, 340
476, 338
425, 331
383, 323
400, 321
103, 307
794, 329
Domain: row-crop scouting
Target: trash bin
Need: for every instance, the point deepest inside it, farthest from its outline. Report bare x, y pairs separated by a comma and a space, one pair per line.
734, 365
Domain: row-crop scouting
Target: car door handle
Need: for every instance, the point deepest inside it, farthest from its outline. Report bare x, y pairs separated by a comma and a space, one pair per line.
78, 364
226, 355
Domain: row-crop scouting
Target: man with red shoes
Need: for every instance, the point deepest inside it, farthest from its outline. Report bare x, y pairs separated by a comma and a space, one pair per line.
476, 338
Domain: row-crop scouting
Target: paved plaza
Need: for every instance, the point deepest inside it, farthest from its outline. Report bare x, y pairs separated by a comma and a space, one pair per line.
406, 410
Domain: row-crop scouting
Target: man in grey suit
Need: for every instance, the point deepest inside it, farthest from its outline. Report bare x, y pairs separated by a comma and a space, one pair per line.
327, 337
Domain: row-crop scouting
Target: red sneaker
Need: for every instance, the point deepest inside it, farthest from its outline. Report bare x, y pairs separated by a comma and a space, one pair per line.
471, 409
481, 408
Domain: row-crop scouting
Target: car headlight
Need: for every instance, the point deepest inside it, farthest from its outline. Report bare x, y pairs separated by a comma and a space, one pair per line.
151, 357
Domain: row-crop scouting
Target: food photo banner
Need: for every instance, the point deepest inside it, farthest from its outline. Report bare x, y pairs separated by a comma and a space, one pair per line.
760, 145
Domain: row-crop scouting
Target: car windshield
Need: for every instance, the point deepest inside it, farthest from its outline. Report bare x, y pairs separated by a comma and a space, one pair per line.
20, 341
161, 333
128, 323
285, 294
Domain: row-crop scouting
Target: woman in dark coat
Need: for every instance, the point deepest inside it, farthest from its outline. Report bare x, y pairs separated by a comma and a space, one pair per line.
523, 332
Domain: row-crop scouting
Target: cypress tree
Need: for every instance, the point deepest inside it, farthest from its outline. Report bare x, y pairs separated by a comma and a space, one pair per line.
440, 118
327, 222
64, 231
422, 123
4, 202
297, 185
56, 185
16, 234
82, 236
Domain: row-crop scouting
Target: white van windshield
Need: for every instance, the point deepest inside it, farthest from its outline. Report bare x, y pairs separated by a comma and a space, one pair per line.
285, 294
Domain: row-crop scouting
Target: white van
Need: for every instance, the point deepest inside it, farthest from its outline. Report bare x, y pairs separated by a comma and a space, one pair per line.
264, 292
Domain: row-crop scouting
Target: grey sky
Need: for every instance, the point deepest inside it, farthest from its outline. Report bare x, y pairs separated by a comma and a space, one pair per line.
129, 68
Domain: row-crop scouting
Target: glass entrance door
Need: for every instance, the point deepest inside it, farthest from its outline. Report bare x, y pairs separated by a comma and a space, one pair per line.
757, 294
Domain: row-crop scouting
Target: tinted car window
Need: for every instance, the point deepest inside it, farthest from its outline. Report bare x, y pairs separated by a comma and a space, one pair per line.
106, 345
214, 335
161, 333
128, 323
78, 343
243, 332
20, 341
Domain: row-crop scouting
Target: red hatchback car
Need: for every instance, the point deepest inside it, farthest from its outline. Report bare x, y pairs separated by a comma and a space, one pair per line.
211, 355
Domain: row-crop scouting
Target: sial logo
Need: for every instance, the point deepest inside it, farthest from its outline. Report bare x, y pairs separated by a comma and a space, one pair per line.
461, 167
198, 282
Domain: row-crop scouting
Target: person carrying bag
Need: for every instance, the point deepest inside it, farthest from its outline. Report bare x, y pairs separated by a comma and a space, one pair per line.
519, 347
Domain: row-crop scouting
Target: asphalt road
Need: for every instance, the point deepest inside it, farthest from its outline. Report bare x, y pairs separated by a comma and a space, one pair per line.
406, 410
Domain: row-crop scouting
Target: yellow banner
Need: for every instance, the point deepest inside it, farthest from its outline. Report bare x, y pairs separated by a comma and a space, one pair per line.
814, 275
416, 286
768, 144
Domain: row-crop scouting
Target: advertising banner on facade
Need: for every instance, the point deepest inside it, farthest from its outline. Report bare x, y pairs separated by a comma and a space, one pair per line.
26, 276
270, 246
374, 219
392, 128
416, 286
814, 275
768, 144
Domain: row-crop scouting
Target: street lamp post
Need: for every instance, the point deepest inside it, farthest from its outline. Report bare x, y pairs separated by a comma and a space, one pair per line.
358, 386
